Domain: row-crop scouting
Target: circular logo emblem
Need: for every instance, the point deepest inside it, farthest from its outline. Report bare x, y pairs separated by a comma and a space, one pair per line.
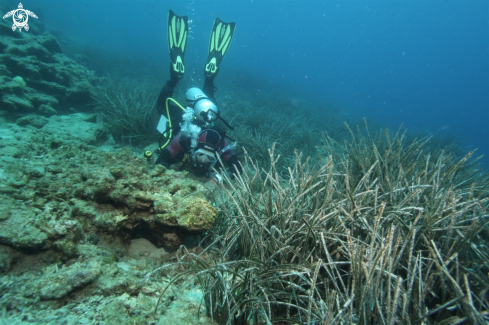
20, 17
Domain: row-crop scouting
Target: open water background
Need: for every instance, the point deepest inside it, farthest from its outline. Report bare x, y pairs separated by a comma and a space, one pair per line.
423, 63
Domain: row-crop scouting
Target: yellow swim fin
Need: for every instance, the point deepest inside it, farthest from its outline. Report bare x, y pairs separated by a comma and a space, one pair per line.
221, 36
177, 40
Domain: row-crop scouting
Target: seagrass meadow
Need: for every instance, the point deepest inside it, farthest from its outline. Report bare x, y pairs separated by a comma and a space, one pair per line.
380, 229
326, 224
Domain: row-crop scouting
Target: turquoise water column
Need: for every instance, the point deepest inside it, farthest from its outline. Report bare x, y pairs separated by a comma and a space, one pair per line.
193, 76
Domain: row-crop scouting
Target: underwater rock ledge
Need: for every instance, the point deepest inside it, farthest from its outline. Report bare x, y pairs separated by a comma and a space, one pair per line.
80, 227
37, 77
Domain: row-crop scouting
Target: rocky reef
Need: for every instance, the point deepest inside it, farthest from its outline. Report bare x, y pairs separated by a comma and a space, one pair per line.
82, 223
37, 77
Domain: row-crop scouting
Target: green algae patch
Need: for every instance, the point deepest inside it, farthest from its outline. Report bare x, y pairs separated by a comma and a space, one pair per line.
37, 77
68, 189
64, 280
4, 213
68, 218
20, 230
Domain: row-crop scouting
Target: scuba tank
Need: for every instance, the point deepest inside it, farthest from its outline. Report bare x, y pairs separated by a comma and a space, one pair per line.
205, 114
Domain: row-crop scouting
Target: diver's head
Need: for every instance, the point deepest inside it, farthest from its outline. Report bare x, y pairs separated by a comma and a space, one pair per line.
204, 108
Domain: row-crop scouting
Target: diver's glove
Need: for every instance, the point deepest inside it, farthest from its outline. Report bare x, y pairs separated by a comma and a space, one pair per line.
212, 184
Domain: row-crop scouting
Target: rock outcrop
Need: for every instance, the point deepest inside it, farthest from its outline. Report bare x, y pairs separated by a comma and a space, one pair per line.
37, 77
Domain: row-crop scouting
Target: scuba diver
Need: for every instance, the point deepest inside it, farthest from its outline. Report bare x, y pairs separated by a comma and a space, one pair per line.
189, 136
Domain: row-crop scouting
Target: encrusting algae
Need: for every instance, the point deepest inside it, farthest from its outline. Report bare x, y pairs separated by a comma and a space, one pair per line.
70, 213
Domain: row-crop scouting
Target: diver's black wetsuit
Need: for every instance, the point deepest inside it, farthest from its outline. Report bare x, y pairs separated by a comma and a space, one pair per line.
180, 145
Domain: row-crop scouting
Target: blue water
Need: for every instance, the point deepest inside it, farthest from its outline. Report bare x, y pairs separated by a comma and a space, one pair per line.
422, 63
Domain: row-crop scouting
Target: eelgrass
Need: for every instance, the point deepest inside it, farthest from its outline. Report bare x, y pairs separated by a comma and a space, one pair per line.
258, 127
127, 108
379, 232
